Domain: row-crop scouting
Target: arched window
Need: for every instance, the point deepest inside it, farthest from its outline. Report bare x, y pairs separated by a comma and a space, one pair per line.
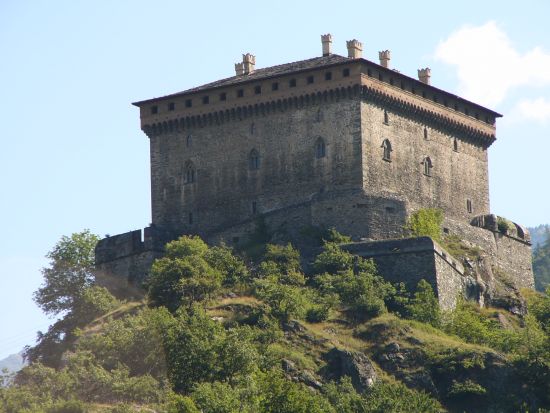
190, 174
455, 145
254, 160
386, 118
320, 148
386, 146
427, 162
189, 141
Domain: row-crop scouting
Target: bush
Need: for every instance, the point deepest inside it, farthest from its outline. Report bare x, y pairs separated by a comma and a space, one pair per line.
424, 306
333, 259
364, 293
396, 397
70, 406
182, 280
425, 222
285, 301
232, 268
318, 313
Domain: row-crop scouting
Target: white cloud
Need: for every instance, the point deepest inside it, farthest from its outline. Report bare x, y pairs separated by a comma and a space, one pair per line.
488, 66
534, 109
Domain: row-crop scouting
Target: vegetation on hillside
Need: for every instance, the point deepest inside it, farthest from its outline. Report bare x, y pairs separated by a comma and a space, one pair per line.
541, 264
221, 332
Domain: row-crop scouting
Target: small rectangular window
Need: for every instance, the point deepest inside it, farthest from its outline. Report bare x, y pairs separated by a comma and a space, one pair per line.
275, 86
257, 90
380, 77
188, 103
345, 72
292, 83
205, 100
171, 106
328, 76
310, 80
154, 110
240, 93
223, 96
469, 206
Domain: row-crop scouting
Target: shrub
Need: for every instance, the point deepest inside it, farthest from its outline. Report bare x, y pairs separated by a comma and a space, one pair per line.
333, 259
505, 226
331, 235
425, 222
364, 293
318, 313
70, 406
175, 281
285, 301
232, 268
424, 306
396, 397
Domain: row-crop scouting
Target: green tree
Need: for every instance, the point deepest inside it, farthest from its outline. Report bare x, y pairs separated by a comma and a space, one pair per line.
184, 275
424, 306
541, 265
425, 222
333, 259
70, 272
232, 268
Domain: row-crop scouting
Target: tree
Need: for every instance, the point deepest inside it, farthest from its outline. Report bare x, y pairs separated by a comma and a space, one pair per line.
425, 222
424, 305
69, 274
68, 288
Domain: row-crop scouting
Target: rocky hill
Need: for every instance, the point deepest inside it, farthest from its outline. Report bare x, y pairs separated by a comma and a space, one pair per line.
216, 330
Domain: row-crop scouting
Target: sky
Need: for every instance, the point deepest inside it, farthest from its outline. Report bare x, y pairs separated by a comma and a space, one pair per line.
72, 155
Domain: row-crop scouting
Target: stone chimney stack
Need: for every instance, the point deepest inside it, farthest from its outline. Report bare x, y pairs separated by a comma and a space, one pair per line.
355, 48
384, 57
249, 62
424, 75
326, 40
239, 69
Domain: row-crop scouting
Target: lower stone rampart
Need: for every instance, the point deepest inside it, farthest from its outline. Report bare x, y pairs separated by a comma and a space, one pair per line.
410, 260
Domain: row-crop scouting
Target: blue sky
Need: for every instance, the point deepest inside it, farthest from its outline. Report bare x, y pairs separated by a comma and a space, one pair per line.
72, 154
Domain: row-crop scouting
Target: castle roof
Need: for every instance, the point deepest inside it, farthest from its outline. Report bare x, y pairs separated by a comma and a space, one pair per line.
260, 74
301, 66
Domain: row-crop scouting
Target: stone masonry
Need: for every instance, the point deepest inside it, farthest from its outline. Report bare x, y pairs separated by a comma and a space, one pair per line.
331, 141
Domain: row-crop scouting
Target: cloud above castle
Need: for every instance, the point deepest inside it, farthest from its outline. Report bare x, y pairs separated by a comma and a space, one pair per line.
490, 69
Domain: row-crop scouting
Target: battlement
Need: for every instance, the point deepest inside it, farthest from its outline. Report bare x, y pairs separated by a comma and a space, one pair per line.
502, 226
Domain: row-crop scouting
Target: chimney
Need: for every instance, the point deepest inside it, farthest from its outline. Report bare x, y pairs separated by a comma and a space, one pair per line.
326, 40
239, 69
249, 61
424, 75
384, 57
355, 48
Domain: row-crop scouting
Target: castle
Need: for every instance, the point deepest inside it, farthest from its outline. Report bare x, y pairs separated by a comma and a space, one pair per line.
330, 141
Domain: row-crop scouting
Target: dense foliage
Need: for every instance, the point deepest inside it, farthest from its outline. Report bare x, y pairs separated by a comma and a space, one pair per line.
218, 332
541, 264
425, 222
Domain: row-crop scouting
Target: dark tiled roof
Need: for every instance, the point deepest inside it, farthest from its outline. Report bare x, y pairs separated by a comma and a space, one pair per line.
264, 73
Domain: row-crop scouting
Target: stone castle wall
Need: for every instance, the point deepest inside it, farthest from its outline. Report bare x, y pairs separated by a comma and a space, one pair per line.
458, 174
413, 259
226, 190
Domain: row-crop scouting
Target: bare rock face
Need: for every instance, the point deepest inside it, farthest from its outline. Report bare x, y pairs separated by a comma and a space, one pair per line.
353, 364
495, 286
